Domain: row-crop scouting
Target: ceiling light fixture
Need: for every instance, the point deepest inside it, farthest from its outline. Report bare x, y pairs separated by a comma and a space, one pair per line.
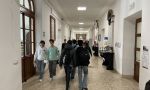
81, 28
81, 8
81, 23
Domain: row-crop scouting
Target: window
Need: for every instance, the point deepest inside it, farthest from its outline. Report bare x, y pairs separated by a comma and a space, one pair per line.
27, 27
27, 4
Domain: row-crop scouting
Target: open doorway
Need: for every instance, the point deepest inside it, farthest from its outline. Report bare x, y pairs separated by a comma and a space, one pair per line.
131, 46
137, 49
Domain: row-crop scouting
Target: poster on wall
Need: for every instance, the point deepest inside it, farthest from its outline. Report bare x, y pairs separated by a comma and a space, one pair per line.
145, 57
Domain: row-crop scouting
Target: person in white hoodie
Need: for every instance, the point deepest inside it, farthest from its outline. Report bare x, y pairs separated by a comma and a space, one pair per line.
39, 57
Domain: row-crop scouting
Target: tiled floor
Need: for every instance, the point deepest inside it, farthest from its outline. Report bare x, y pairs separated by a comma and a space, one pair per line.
99, 79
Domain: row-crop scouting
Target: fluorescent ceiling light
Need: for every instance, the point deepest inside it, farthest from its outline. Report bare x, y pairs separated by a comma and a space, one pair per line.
81, 28
81, 23
81, 8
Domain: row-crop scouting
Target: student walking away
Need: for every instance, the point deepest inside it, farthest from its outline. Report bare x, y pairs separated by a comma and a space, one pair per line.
63, 44
88, 47
53, 56
75, 46
83, 58
68, 63
95, 49
39, 57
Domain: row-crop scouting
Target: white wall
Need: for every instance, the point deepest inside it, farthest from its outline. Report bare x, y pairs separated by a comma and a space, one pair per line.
10, 48
126, 12
118, 32
43, 12
128, 48
145, 73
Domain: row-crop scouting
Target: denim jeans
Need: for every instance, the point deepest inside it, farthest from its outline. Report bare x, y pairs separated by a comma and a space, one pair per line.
52, 68
83, 75
40, 67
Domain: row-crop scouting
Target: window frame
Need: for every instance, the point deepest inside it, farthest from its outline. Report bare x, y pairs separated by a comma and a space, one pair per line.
25, 12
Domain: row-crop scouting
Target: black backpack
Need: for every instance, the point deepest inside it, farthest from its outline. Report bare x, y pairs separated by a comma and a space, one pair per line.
68, 57
84, 56
147, 86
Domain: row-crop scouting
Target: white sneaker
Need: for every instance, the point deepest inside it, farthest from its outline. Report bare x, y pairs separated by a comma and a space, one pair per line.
54, 77
51, 79
40, 80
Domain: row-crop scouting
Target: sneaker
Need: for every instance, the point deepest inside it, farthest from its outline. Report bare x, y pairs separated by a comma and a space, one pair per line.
40, 80
85, 89
54, 77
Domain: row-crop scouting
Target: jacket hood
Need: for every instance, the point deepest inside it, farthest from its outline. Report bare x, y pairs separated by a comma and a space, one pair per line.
68, 47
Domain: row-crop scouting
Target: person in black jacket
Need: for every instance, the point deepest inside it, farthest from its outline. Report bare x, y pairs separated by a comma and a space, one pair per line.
88, 47
63, 44
66, 56
95, 48
83, 57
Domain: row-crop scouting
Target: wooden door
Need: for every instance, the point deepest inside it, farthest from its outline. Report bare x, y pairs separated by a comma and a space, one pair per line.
27, 34
137, 49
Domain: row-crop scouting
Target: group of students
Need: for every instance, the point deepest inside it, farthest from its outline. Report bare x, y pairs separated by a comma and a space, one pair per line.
75, 54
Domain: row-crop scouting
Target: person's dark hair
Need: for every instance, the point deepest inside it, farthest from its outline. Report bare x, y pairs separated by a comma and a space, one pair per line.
42, 42
74, 41
69, 42
51, 40
80, 42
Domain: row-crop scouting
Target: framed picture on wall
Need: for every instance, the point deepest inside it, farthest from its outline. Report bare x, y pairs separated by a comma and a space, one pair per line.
52, 28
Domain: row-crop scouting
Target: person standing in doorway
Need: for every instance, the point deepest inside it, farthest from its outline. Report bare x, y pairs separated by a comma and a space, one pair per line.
53, 56
39, 57
83, 57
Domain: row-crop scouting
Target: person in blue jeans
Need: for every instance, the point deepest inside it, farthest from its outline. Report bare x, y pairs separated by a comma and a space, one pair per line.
83, 57
39, 57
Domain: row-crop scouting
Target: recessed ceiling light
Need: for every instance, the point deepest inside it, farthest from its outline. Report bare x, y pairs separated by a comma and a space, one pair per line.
81, 8
81, 28
81, 23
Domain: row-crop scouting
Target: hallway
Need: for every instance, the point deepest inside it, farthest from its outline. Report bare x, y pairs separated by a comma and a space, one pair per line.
99, 79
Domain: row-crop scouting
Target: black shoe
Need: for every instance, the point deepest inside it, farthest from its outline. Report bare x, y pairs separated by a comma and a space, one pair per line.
85, 89
72, 78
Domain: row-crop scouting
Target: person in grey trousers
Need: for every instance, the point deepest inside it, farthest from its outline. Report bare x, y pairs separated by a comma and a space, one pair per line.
83, 57
39, 57
53, 56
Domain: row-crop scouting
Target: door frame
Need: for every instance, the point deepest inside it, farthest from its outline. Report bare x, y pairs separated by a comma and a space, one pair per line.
136, 64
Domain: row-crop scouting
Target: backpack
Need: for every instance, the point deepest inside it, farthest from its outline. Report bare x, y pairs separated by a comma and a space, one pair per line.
69, 57
84, 56
147, 86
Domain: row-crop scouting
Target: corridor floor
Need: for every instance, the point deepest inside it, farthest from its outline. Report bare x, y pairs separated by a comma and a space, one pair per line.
99, 79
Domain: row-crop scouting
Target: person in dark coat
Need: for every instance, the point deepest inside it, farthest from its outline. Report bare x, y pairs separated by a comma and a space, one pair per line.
83, 60
95, 48
68, 61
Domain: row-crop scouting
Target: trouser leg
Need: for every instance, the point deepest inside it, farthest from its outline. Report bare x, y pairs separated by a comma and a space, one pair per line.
68, 73
85, 72
73, 71
80, 77
50, 69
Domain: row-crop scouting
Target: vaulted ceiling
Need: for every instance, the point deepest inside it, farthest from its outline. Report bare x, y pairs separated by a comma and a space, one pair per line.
68, 10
